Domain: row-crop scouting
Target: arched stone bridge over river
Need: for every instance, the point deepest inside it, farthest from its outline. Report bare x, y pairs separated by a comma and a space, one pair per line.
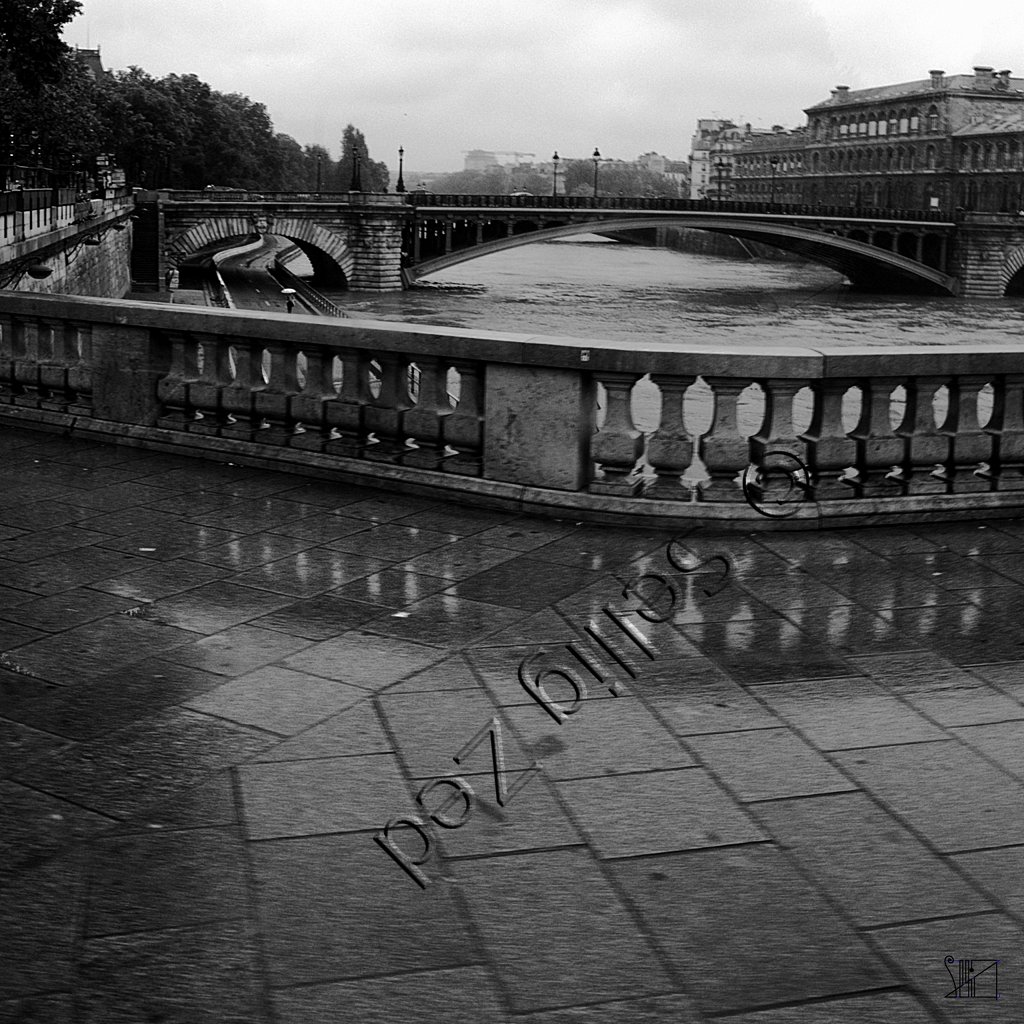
385, 242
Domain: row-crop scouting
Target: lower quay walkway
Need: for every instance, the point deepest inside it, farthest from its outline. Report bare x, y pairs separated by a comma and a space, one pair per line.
788, 787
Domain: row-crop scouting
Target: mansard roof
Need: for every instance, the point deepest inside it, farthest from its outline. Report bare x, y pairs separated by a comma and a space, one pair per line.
990, 86
1001, 123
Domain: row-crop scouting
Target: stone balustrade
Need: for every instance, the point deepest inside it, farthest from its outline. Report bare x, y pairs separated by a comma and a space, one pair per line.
597, 430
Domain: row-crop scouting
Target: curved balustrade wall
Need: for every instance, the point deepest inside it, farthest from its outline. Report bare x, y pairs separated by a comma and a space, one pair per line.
591, 429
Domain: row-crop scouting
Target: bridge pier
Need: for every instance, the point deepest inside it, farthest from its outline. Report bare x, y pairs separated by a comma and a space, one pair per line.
989, 252
359, 234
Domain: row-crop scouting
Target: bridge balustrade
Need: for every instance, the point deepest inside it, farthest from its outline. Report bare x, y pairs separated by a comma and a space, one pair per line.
745, 436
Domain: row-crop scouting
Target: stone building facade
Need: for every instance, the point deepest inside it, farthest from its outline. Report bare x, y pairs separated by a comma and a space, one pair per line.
943, 142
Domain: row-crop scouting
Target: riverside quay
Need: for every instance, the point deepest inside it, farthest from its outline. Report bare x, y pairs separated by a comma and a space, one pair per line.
365, 670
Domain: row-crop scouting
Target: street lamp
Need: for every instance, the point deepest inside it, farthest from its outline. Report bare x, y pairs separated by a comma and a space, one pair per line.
356, 185
319, 174
720, 166
774, 163
400, 187
554, 175
597, 160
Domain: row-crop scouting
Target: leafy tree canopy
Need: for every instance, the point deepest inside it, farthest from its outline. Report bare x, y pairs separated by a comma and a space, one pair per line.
30, 43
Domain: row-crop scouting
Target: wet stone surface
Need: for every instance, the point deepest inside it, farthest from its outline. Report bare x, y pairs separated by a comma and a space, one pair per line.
276, 750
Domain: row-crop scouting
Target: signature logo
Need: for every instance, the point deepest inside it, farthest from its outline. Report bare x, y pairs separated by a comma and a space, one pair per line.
974, 979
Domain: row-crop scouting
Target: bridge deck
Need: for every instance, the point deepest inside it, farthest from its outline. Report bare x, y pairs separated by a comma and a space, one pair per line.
218, 683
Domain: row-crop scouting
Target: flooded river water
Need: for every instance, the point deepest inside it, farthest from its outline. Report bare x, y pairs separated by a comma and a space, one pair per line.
600, 289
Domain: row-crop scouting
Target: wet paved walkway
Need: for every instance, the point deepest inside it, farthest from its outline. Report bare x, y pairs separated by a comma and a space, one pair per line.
219, 683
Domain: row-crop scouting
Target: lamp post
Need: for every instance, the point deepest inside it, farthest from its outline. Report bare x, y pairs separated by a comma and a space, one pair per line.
356, 185
720, 166
319, 174
773, 163
554, 175
400, 187
597, 160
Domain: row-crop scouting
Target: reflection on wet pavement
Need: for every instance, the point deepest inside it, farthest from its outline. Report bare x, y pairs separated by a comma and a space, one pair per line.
788, 784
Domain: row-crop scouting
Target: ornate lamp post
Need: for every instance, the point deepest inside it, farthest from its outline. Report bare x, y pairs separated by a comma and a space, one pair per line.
554, 175
319, 174
720, 166
356, 185
597, 160
400, 187
774, 162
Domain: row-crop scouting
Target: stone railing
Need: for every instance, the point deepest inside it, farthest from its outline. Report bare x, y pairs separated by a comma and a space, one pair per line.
595, 430
32, 212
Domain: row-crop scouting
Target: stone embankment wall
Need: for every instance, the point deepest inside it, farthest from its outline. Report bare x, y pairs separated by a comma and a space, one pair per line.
101, 270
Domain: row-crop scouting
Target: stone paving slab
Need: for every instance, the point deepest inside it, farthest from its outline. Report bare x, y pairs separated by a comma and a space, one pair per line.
218, 685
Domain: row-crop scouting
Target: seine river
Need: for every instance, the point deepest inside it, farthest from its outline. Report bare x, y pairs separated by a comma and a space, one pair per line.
600, 289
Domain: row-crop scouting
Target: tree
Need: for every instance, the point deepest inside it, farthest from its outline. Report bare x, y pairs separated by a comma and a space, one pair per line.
374, 175
615, 178
30, 43
494, 181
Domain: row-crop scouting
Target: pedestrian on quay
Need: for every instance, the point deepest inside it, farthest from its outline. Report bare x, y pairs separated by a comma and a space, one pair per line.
290, 304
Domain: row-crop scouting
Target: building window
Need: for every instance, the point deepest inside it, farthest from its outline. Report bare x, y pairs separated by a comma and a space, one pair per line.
933, 118
915, 120
881, 126
930, 158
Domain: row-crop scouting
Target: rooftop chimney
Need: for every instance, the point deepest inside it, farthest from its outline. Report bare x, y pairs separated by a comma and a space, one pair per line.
1004, 77
937, 78
982, 73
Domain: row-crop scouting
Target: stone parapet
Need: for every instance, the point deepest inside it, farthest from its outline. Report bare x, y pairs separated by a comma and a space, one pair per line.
754, 438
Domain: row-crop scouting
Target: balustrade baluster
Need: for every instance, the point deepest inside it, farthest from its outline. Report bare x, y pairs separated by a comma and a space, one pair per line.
723, 450
830, 451
463, 430
384, 414
617, 445
928, 449
777, 434
880, 451
205, 395
424, 422
26, 363
77, 343
309, 405
670, 447
971, 446
238, 398
344, 412
52, 390
272, 403
173, 389
1007, 425
6, 360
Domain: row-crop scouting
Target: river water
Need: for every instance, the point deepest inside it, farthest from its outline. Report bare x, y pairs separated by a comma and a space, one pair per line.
597, 289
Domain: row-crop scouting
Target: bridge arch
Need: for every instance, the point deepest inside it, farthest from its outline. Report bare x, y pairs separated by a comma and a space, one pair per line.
1013, 272
327, 250
866, 265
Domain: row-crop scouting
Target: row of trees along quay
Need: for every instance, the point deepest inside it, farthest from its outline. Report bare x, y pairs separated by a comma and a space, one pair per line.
62, 123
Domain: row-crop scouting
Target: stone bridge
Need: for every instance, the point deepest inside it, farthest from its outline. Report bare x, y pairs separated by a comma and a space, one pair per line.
370, 242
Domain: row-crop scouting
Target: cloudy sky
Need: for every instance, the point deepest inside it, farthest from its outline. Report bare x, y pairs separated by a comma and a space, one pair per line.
629, 76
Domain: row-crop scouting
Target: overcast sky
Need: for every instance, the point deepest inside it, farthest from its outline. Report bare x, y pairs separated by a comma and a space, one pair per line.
629, 76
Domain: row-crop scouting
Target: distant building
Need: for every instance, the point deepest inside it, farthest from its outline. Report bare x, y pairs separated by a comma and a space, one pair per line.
940, 142
90, 60
712, 157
